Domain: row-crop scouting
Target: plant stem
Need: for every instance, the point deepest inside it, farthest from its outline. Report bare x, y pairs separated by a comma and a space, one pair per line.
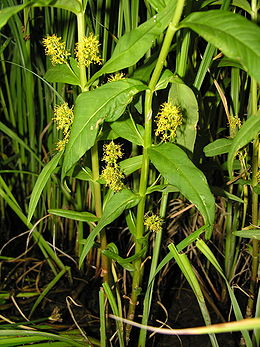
138, 273
255, 206
94, 156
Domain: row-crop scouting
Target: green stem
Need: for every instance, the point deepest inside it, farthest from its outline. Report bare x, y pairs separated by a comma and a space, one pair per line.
255, 168
155, 257
138, 273
94, 155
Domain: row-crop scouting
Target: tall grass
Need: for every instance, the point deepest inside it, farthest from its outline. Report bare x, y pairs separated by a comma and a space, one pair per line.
160, 164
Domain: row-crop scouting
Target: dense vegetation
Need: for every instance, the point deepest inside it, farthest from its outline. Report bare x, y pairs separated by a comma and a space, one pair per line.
129, 173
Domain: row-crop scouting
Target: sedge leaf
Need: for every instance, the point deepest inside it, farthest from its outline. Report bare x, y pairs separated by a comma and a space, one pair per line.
41, 183
75, 215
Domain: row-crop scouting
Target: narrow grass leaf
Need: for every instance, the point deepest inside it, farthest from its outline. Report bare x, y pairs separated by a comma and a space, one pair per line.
75, 215
115, 311
132, 46
113, 209
249, 130
248, 234
51, 337
187, 270
102, 318
41, 183
175, 166
238, 314
48, 288
17, 139
220, 146
235, 36
106, 103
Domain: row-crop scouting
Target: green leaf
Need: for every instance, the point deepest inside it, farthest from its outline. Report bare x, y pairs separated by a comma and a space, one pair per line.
175, 166
106, 103
81, 173
166, 77
235, 36
114, 208
131, 165
75, 215
249, 234
41, 183
64, 73
158, 5
220, 146
249, 130
132, 46
181, 95
69, 5
127, 129
8, 12
17, 139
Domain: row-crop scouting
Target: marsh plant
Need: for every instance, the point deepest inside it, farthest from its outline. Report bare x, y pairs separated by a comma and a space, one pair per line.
130, 154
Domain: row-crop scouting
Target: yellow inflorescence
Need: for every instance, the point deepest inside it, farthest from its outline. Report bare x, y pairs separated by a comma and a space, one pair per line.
234, 122
63, 117
153, 222
55, 49
113, 176
112, 173
87, 52
167, 120
112, 152
116, 77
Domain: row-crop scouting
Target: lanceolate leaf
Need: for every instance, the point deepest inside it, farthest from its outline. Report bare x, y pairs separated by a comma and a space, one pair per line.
132, 46
249, 130
106, 103
70, 5
174, 165
8, 12
114, 208
64, 73
217, 147
181, 95
235, 36
41, 182
76, 215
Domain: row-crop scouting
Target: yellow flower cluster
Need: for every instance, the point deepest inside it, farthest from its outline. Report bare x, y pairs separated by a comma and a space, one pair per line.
116, 77
153, 222
112, 173
63, 117
258, 176
112, 152
87, 52
234, 122
167, 120
55, 49
113, 178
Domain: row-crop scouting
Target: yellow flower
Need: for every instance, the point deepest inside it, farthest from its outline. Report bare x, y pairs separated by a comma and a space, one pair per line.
153, 222
167, 120
116, 77
60, 145
112, 152
55, 49
113, 176
63, 116
87, 52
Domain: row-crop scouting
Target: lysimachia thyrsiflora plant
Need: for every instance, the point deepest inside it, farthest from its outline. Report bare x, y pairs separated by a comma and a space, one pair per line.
130, 132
